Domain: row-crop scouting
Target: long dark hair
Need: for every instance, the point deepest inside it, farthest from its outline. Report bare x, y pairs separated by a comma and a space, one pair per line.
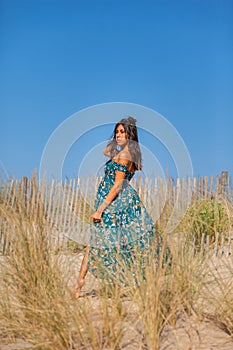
129, 125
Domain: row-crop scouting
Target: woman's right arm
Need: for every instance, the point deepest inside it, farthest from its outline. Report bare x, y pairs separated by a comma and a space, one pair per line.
106, 151
96, 216
110, 149
119, 179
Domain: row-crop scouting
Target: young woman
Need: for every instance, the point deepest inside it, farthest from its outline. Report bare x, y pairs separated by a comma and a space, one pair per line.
120, 219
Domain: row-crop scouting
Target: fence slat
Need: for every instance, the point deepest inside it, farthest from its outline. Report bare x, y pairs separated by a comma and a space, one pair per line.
67, 205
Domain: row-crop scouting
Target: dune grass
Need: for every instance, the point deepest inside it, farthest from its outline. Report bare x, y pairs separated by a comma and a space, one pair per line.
36, 304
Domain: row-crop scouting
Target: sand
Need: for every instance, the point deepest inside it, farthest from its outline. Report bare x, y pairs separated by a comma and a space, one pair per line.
189, 333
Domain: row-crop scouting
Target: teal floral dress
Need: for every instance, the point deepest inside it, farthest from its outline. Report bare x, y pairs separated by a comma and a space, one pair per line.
125, 224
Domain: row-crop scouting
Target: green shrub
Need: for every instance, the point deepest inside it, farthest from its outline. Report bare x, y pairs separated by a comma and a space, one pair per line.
208, 216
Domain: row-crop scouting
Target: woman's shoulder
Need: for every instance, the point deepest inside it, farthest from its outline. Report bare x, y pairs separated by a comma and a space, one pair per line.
123, 157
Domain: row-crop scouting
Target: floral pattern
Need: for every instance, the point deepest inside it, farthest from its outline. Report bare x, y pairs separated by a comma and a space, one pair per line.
125, 224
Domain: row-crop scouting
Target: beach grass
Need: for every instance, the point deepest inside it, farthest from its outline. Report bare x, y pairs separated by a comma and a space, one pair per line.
36, 306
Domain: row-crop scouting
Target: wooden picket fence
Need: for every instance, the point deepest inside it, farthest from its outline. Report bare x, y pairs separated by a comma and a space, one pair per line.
67, 205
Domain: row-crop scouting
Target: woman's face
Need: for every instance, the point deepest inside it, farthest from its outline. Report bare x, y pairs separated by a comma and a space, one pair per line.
120, 135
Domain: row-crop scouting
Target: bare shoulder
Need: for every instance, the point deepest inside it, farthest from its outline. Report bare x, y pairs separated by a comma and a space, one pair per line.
123, 157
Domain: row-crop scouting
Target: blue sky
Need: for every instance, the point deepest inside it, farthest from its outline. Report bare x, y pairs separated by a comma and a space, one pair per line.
61, 56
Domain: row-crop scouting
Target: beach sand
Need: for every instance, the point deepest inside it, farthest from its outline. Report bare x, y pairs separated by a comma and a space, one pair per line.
189, 332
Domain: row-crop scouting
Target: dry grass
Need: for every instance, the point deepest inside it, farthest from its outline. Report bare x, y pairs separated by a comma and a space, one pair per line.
35, 301
218, 293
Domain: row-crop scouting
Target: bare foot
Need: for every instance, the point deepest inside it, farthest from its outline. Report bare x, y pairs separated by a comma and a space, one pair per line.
77, 288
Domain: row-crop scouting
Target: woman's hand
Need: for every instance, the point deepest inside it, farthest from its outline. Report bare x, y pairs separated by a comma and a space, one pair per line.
96, 216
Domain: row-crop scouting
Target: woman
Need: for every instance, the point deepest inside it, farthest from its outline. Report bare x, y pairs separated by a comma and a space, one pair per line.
120, 219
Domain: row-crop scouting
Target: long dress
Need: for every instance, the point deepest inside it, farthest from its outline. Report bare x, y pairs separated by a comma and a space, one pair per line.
125, 224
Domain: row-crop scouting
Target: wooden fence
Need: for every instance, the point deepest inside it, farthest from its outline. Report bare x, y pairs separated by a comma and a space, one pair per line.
67, 205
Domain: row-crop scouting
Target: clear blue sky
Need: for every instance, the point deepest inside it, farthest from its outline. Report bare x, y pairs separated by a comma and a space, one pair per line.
61, 56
